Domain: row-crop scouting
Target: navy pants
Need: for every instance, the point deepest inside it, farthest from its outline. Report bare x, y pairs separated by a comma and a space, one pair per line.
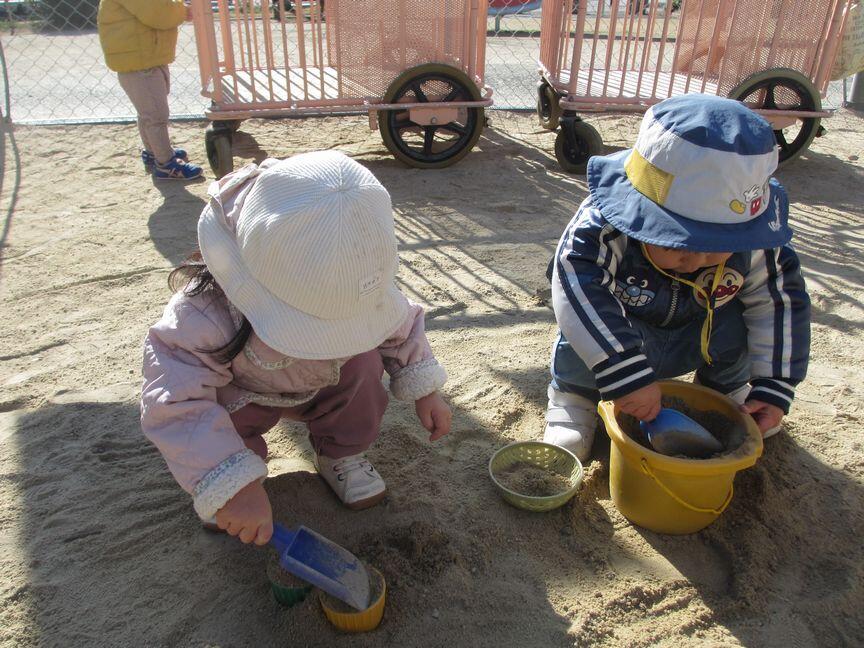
671, 353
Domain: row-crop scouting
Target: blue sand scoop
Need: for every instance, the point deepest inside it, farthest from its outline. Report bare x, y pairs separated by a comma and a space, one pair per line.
673, 433
323, 563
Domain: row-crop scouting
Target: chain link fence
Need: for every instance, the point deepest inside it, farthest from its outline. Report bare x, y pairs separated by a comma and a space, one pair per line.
55, 72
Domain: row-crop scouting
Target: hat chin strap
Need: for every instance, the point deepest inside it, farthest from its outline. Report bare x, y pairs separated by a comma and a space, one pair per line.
705, 337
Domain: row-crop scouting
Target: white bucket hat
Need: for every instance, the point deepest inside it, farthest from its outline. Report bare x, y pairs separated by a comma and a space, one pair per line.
305, 249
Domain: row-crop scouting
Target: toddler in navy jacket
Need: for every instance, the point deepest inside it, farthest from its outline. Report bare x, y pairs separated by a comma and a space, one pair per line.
679, 260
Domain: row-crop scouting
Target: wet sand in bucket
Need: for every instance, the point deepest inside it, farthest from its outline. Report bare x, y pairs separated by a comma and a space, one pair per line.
376, 586
720, 426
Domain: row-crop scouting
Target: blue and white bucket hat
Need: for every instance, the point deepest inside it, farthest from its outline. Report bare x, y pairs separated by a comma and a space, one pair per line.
698, 178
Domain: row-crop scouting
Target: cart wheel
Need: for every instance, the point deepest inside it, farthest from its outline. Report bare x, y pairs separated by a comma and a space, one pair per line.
572, 154
217, 141
275, 7
230, 125
783, 89
548, 108
431, 146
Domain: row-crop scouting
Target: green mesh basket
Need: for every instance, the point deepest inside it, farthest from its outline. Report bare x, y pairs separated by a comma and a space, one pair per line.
543, 455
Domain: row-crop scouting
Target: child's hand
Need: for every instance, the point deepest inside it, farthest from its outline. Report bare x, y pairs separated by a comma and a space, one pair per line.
767, 416
644, 403
434, 414
247, 515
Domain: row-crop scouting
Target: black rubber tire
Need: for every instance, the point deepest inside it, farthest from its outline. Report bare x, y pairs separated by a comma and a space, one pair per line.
274, 6
217, 142
764, 86
232, 125
394, 123
548, 108
588, 143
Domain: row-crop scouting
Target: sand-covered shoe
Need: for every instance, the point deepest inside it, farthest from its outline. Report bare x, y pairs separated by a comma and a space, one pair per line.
570, 422
354, 480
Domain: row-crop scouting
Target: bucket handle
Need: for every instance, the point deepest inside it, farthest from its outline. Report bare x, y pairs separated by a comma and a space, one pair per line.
647, 470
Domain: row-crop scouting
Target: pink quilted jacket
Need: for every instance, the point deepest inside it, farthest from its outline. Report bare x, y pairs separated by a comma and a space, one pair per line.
188, 395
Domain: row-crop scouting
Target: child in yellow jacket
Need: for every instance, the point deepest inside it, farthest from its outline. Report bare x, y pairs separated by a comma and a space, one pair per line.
139, 38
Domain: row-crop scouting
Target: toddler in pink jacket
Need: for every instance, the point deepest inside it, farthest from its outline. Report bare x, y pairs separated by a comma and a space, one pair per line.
290, 310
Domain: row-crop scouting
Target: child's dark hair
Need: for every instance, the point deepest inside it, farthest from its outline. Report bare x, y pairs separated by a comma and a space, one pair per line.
193, 278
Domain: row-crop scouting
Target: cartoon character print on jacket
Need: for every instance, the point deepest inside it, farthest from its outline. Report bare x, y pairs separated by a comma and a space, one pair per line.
665, 302
632, 289
729, 285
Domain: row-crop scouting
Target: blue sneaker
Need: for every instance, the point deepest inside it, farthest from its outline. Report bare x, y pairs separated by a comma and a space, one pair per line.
149, 159
177, 169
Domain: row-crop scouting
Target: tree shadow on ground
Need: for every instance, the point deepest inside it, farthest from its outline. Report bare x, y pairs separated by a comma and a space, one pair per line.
828, 244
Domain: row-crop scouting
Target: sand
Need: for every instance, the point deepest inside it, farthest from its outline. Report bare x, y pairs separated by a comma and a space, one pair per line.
527, 479
98, 546
376, 587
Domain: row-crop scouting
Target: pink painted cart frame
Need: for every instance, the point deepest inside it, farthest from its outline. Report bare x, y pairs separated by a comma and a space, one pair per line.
258, 60
775, 55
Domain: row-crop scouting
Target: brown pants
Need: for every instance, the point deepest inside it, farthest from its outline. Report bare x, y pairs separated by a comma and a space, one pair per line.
148, 92
343, 419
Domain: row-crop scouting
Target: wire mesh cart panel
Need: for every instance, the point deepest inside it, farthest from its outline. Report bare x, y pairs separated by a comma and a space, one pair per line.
774, 55
416, 66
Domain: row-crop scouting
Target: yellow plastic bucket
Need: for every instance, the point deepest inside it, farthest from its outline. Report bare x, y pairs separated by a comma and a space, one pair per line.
671, 494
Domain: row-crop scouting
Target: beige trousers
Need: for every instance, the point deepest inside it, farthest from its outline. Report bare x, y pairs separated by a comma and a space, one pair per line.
148, 92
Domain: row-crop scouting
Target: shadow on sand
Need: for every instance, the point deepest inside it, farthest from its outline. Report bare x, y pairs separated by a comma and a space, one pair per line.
111, 544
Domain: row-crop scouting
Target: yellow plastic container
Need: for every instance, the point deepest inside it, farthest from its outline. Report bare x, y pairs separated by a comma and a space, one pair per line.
362, 620
670, 494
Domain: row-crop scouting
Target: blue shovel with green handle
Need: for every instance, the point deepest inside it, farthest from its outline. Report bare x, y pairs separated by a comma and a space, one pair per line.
323, 563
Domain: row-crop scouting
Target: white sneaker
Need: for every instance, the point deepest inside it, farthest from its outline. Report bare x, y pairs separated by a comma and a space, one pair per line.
354, 480
570, 422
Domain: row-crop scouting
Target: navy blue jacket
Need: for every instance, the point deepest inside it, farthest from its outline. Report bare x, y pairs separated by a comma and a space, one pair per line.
601, 280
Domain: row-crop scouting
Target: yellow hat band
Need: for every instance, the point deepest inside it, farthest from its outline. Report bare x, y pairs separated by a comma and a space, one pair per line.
650, 181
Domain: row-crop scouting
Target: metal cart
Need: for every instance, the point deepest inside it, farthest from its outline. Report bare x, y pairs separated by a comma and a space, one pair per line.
774, 55
416, 66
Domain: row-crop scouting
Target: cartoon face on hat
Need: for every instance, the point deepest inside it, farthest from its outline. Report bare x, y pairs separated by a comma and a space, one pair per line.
687, 162
753, 199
